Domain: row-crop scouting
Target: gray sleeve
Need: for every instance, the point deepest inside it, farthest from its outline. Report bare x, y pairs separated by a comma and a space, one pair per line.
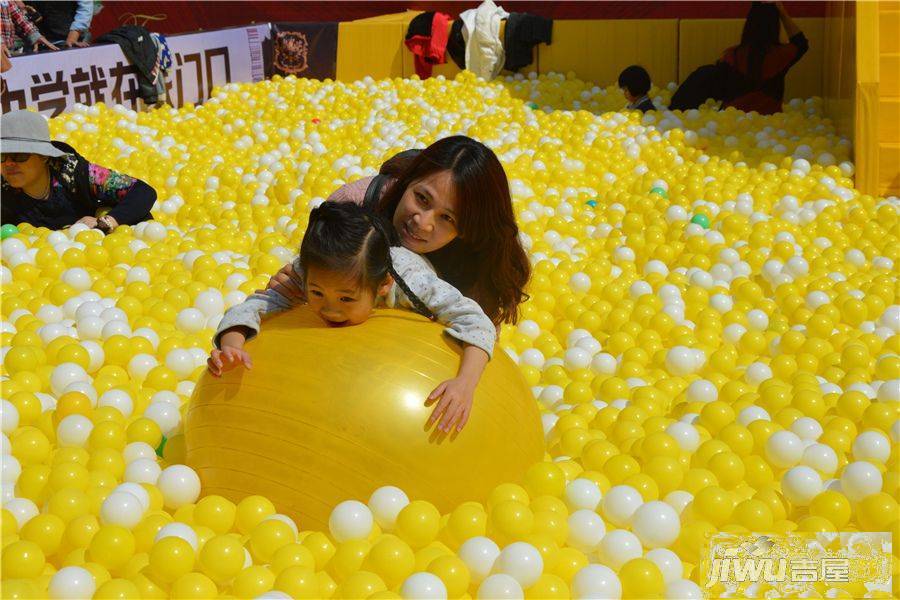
463, 317
249, 313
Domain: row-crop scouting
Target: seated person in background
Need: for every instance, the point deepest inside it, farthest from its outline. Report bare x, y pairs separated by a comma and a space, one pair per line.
48, 184
635, 84
67, 22
762, 61
18, 31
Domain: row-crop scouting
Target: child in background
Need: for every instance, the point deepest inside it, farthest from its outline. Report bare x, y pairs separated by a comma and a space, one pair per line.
350, 262
635, 84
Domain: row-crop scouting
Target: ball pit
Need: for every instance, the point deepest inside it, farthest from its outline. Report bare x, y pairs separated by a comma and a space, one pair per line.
354, 419
741, 374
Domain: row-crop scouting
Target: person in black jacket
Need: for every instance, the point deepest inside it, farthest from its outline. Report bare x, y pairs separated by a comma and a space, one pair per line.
635, 84
48, 184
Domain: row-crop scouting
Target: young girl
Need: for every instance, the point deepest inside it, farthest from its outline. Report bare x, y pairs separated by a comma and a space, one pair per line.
348, 265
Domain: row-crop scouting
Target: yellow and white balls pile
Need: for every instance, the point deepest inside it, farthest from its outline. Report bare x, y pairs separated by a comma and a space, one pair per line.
712, 336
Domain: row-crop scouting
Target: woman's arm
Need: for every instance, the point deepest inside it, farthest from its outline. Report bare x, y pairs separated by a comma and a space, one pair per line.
131, 199
789, 26
464, 320
456, 395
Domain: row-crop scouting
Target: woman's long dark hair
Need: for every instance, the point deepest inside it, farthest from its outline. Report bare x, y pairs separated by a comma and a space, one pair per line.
486, 262
760, 33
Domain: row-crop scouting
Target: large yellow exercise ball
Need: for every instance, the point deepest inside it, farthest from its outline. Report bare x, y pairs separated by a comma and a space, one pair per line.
331, 414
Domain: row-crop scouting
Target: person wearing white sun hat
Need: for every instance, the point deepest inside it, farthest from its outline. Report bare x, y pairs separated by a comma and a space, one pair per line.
48, 184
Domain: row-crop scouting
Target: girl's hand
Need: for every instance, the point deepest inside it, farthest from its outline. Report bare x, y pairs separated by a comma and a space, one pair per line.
88, 220
45, 42
455, 404
284, 283
227, 359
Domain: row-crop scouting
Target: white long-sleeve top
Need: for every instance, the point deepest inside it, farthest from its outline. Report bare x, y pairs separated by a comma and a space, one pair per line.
463, 317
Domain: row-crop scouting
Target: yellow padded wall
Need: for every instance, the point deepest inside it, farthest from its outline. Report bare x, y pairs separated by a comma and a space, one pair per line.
889, 97
598, 50
370, 48
839, 66
702, 41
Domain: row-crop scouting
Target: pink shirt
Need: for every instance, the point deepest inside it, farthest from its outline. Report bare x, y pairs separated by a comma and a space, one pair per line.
354, 191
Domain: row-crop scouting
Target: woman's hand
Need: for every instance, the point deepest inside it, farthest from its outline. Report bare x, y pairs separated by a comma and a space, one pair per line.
226, 359
88, 220
284, 283
454, 403
107, 223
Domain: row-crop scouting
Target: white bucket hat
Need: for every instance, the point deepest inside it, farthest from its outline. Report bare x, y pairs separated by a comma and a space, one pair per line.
26, 131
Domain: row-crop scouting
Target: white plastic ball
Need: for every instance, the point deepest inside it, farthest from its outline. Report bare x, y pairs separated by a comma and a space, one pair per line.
71, 583
423, 586
583, 494
784, 449
74, 430
500, 587
122, 509
479, 554
860, 479
142, 470
386, 503
179, 485
522, 561
350, 520
871, 445
656, 524
801, 484
596, 581
586, 530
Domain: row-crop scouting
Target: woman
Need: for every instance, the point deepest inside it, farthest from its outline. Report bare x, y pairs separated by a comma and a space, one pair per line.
48, 184
761, 62
450, 203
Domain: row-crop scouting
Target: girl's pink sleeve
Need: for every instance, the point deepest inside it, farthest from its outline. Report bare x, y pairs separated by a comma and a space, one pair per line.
351, 192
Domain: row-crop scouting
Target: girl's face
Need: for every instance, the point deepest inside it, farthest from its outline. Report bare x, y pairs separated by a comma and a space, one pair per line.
426, 217
338, 298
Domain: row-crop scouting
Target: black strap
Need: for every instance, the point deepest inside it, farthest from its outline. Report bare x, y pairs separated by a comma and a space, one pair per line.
416, 301
373, 192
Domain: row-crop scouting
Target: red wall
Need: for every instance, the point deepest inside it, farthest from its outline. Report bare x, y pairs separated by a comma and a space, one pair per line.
180, 17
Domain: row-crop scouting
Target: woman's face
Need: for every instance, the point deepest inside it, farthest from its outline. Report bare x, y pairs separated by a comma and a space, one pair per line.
22, 174
427, 215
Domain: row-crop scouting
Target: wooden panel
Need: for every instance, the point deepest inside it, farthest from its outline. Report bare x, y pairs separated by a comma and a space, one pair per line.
889, 120
889, 30
889, 74
598, 50
373, 49
889, 169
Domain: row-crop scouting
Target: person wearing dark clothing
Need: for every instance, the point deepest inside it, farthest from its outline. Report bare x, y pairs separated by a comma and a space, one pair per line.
635, 84
523, 32
761, 61
142, 51
64, 22
48, 184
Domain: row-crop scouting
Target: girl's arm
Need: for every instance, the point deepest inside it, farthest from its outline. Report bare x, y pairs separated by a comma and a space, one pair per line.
232, 353
247, 315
